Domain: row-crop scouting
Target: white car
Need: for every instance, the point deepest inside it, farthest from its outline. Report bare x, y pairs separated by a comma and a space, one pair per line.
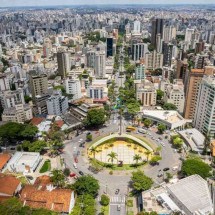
75, 165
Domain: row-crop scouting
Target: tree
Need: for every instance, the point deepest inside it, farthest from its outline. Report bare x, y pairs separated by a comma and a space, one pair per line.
161, 128
147, 122
27, 99
89, 137
37, 146
155, 159
147, 153
84, 204
140, 181
95, 118
66, 172
195, 165
93, 150
29, 132
137, 158
178, 142
133, 108
58, 178
112, 156
105, 200
86, 185
160, 94
14, 206
169, 106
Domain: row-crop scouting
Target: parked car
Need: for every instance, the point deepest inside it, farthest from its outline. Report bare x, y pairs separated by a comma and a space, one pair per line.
81, 173
75, 165
72, 175
76, 160
160, 174
166, 169
29, 177
118, 207
117, 191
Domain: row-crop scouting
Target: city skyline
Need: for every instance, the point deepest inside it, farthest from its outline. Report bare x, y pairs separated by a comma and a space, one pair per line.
11, 3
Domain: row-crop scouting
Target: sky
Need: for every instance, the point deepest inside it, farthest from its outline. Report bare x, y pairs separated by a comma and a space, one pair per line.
9, 3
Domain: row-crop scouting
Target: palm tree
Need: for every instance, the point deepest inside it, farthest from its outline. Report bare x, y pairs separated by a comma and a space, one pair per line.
137, 158
147, 153
94, 151
112, 156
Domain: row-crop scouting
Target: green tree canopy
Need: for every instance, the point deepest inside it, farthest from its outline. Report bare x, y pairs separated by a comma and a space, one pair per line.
161, 128
105, 200
147, 122
140, 181
169, 106
95, 118
86, 184
14, 206
29, 132
178, 142
155, 159
160, 94
58, 177
84, 204
195, 165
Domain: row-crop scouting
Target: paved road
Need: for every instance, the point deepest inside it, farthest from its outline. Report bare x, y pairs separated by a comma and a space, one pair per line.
117, 205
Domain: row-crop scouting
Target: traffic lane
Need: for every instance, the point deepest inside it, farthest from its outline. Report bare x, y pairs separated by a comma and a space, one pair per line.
114, 209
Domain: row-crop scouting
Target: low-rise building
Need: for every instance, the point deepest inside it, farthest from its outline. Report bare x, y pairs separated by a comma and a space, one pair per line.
24, 162
172, 119
20, 113
44, 195
4, 158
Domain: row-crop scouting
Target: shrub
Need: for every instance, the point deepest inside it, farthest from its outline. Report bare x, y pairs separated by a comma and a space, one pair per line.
111, 172
66, 172
105, 200
129, 203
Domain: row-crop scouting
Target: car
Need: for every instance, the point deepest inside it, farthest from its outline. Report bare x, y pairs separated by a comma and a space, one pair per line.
166, 169
75, 165
72, 175
118, 207
175, 150
81, 173
117, 191
160, 174
163, 144
76, 160
159, 138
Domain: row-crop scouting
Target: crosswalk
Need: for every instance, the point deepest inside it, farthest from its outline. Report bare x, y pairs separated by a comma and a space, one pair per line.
115, 199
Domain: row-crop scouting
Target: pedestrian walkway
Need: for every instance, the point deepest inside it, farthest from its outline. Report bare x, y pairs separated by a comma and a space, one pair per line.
114, 199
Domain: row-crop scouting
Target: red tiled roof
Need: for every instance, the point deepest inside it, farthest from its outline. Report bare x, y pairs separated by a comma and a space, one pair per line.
59, 123
8, 184
37, 120
4, 158
57, 200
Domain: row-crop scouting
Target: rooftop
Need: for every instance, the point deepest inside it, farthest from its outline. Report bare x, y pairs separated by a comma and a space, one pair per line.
193, 193
4, 158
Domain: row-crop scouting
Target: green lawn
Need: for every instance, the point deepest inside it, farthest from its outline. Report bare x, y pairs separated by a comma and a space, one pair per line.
46, 166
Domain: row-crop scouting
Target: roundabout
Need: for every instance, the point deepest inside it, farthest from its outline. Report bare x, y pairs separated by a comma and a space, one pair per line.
123, 149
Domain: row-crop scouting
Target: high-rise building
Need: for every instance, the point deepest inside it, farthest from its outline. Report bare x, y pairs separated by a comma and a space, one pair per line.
73, 86
63, 62
169, 33
167, 54
200, 61
91, 58
188, 35
110, 44
175, 94
204, 118
4, 82
57, 104
192, 81
38, 84
157, 28
146, 93
182, 68
100, 63
139, 50
136, 26
140, 72
153, 60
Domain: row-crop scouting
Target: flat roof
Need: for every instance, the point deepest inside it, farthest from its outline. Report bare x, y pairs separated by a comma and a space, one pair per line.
27, 158
194, 138
193, 193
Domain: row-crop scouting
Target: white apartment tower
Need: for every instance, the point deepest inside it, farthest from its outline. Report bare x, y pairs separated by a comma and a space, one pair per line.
153, 60
57, 104
204, 118
188, 35
73, 86
100, 63
169, 33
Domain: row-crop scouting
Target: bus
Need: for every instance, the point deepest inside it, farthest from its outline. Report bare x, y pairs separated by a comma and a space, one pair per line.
130, 128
